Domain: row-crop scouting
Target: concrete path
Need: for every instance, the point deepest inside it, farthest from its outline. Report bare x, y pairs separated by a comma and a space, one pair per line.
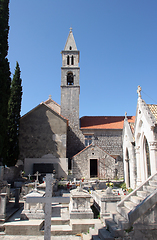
17, 237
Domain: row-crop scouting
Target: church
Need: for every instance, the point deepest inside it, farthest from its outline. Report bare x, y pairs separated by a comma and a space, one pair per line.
140, 144
53, 137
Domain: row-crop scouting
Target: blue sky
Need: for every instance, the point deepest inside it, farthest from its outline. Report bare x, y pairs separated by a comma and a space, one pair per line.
117, 40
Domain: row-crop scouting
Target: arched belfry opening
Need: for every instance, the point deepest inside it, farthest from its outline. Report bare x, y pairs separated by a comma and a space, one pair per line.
70, 78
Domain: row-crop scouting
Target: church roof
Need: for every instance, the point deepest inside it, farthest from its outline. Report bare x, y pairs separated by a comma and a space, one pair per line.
104, 122
52, 104
153, 109
70, 42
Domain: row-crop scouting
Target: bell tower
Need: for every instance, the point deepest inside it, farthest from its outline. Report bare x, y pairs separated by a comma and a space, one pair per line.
70, 87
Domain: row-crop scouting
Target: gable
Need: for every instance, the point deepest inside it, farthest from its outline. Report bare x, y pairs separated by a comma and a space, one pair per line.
93, 148
42, 131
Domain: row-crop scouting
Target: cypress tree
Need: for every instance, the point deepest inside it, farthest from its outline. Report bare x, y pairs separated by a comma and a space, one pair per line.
14, 108
5, 79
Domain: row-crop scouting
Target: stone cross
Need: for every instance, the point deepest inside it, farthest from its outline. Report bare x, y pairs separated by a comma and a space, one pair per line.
37, 174
48, 199
139, 90
29, 176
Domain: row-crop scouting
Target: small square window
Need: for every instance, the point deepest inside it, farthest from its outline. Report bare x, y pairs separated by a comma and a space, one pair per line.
88, 140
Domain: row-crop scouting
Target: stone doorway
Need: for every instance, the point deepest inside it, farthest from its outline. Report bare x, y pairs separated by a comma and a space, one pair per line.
93, 168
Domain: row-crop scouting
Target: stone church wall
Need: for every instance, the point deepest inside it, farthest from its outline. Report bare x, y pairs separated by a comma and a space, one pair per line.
42, 131
105, 163
109, 140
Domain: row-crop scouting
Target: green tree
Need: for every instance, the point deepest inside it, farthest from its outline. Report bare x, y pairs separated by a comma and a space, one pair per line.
5, 79
14, 108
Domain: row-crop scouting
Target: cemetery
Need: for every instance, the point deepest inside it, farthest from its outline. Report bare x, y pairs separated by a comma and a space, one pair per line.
93, 178
86, 209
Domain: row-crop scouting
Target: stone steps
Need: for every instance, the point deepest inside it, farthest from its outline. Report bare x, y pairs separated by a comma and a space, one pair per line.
96, 237
128, 210
142, 194
59, 221
121, 221
58, 230
136, 199
123, 211
153, 183
113, 228
104, 234
149, 188
130, 205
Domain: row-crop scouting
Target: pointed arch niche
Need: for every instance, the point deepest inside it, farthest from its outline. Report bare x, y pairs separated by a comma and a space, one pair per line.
146, 157
127, 169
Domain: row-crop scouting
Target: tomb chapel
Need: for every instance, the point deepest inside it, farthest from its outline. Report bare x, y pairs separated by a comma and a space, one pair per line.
140, 144
52, 136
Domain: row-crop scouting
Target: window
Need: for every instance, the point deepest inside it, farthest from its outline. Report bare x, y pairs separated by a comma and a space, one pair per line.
70, 78
72, 60
147, 157
88, 140
68, 60
70, 47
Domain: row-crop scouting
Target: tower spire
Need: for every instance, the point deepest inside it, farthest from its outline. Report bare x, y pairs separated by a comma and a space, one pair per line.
70, 43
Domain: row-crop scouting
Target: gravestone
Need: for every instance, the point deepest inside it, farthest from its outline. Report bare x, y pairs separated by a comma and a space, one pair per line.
79, 206
48, 200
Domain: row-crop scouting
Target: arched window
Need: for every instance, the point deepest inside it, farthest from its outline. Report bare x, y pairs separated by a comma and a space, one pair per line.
72, 60
147, 157
70, 78
68, 60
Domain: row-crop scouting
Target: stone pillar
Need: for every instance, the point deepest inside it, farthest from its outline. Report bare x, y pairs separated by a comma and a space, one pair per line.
153, 156
17, 193
137, 151
126, 173
8, 191
3, 205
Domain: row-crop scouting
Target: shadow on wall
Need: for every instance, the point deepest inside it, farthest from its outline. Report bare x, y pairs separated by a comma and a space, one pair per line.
74, 144
37, 131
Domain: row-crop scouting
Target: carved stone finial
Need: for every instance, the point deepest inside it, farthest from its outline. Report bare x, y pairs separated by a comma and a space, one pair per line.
139, 91
71, 29
125, 115
50, 96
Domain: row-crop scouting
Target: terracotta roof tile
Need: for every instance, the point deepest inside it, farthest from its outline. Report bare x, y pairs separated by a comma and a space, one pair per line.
104, 122
153, 109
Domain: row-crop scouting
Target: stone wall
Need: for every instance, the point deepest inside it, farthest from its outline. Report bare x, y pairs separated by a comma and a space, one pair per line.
105, 163
42, 131
109, 140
